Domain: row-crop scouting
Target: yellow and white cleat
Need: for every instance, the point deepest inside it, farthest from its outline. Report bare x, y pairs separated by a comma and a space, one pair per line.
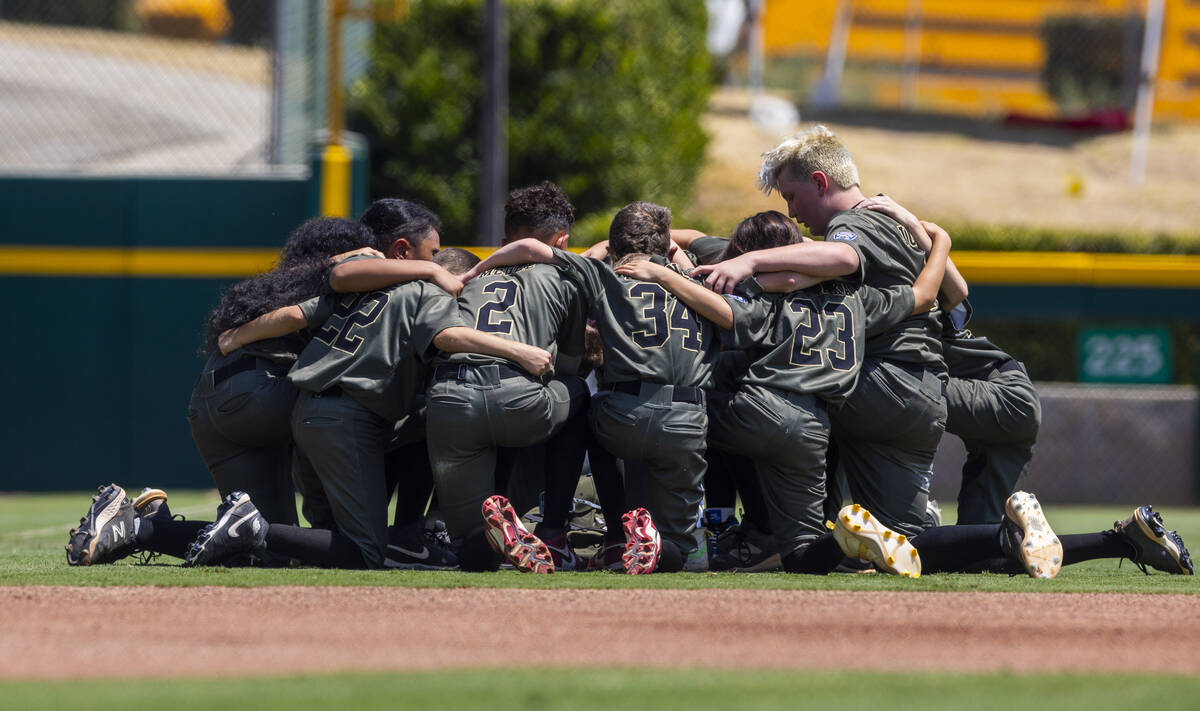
863, 536
1026, 537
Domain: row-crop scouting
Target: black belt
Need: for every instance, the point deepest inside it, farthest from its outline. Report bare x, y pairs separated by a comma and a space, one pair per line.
459, 372
331, 391
1010, 364
679, 393
241, 365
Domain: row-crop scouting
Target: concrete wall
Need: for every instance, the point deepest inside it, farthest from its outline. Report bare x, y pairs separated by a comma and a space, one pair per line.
1132, 445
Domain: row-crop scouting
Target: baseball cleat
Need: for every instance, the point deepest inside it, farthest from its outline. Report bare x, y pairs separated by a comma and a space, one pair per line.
643, 545
1153, 544
609, 557
152, 504
239, 530
509, 537
1026, 537
933, 514
105, 533
415, 547
744, 549
861, 535
562, 553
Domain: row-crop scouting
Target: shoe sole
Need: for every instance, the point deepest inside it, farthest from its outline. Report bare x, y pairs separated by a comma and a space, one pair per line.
1041, 552
109, 512
643, 544
1153, 530
862, 536
219, 524
524, 550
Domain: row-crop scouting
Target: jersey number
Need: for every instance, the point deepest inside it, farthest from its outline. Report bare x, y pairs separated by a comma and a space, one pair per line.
654, 310
358, 311
491, 315
831, 315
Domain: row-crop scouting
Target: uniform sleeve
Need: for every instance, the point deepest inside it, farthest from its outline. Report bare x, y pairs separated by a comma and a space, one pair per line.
886, 307
845, 229
751, 321
586, 272
708, 249
436, 312
317, 309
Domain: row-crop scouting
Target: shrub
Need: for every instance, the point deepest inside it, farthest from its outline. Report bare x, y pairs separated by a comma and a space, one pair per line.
604, 99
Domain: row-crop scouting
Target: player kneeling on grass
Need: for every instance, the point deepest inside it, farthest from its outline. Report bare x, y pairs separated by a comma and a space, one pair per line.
649, 410
359, 374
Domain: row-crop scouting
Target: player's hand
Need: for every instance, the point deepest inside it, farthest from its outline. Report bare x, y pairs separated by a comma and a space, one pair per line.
679, 256
368, 251
724, 276
896, 211
597, 251
642, 270
534, 360
450, 283
935, 231
227, 342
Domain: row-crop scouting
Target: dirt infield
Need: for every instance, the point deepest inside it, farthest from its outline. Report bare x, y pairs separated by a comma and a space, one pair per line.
64, 632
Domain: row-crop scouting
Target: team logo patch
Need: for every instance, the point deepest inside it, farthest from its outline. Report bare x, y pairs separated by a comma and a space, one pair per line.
844, 235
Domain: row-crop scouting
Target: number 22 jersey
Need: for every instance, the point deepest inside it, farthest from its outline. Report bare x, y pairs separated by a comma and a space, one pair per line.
375, 345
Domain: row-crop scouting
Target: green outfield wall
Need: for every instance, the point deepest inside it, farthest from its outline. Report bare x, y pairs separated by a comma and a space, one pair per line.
109, 280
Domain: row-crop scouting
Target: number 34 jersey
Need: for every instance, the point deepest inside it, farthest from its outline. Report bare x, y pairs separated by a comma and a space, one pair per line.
375, 345
810, 341
647, 333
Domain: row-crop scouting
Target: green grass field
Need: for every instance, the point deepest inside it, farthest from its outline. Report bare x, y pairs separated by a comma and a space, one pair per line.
33, 530
604, 690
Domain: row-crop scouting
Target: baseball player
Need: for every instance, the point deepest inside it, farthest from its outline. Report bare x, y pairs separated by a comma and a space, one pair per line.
990, 401
889, 428
649, 410
241, 404
478, 402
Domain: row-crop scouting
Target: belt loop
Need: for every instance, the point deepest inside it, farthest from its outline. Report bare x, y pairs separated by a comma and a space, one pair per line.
462, 371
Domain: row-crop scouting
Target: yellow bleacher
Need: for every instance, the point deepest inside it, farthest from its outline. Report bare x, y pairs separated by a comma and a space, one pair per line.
978, 57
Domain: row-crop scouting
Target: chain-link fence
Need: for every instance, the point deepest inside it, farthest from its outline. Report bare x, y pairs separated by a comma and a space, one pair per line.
164, 86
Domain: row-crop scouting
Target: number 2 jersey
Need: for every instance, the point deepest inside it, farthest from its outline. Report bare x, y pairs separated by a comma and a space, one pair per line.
535, 304
647, 333
375, 345
812, 341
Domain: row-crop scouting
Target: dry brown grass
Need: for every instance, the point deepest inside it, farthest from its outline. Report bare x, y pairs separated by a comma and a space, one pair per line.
952, 178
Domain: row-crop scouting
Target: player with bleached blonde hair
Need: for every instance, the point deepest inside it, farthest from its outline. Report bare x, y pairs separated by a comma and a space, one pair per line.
816, 149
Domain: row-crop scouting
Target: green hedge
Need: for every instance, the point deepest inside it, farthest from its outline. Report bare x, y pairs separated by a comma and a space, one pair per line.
605, 99
1037, 239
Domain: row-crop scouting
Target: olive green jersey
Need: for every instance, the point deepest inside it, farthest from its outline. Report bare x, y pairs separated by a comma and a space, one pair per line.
967, 355
375, 345
708, 249
648, 334
888, 257
807, 342
535, 304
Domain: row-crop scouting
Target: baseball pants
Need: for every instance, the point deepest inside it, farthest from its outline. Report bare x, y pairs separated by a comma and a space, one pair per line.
660, 430
786, 435
887, 434
998, 420
345, 443
240, 412
476, 409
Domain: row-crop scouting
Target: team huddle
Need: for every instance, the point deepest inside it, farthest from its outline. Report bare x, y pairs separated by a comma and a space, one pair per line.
810, 380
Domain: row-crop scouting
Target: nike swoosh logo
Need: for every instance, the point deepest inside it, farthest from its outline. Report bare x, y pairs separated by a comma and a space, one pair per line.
422, 555
233, 530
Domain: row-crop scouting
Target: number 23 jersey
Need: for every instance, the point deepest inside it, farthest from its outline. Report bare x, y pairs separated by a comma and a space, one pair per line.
810, 341
375, 345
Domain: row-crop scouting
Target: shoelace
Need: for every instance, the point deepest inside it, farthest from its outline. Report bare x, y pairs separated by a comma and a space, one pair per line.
146, 557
